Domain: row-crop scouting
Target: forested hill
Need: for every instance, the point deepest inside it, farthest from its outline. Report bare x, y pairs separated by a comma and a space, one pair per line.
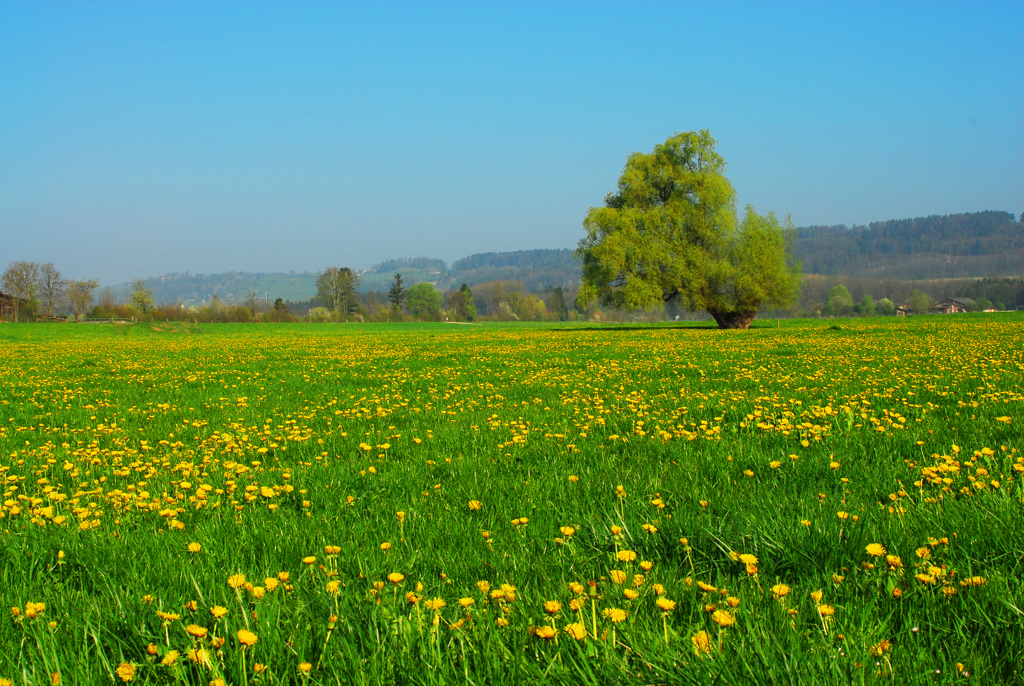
938, 247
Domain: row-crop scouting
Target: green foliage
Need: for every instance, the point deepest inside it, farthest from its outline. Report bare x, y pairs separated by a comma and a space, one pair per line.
336, 288
919, 302
461, 305
669, 232
397, 292
141, 298
424, 302
557, 304
885, 307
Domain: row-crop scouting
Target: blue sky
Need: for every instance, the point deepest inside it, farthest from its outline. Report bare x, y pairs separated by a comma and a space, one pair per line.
138, 139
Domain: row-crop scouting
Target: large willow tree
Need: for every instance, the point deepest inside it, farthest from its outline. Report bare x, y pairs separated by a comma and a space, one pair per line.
670, 232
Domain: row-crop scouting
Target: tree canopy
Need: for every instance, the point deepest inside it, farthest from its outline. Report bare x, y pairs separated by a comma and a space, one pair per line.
670, 232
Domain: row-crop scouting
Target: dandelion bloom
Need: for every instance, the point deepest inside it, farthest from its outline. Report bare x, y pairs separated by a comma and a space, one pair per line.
332, 586
200, 657
413, 598
466, 602
925, 578
396, 577
194, 547
923, 553
475, 505
748, 559
283, 576
576, 630
723, 618
625, 556
126, 671
332, 549
616, 530
567, 531
501, 621
733, 601
305, 667
639, 580
552, 607
435, 604
658, 589
894, 561
196, 630
780, 590
170, 658
309, 560
816, 596
875, 549
484, 586
217, 611
577, 588
270, 583
701, 643
707, 588
246, 637
826, 610
630, 593
400, 515
544, 632
618, 576
615, 614
236, 580
665, 604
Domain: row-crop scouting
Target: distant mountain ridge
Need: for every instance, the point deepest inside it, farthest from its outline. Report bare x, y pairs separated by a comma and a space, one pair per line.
966, 245
969, 245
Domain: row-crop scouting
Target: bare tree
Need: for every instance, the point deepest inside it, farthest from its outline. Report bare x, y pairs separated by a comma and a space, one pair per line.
251, 298
20, 282
51, 287
108, 301
80, 296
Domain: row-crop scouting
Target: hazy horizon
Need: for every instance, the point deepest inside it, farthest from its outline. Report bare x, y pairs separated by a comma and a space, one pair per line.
143, 140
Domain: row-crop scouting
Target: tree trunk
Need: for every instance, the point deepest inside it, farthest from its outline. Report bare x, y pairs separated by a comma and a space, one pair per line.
733, 320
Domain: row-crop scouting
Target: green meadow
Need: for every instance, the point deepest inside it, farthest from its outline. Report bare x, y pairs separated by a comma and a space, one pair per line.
803, 502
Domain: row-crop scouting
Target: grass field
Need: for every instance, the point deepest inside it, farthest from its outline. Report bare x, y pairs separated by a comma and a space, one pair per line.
825, 502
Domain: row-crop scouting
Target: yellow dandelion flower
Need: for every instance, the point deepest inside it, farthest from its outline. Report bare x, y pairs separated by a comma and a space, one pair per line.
396, 577
723, 618
665, 604
615, 614
625, 556
576, 630
701, 643
217, 611
544, 632
126, 671
875, 549
246, 637
196, 630
194, 547
236, 580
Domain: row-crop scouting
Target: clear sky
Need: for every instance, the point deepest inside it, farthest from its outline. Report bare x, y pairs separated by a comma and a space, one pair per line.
138, 139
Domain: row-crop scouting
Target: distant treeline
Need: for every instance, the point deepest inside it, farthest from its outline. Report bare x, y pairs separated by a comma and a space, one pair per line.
939, 247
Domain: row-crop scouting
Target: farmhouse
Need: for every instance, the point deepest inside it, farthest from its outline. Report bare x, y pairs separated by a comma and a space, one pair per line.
7, 303
902, 311
954, 305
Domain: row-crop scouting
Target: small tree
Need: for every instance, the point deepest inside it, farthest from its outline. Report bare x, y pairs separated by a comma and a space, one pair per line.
885, 307
866, 307
840, 301
79, 296
919, 302
20, 282
557, 304
251, 299
424, 301
336, 288
397, 293
51, 287
141, 298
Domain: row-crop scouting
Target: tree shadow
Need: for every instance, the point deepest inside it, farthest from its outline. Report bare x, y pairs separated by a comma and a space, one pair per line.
696, 326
